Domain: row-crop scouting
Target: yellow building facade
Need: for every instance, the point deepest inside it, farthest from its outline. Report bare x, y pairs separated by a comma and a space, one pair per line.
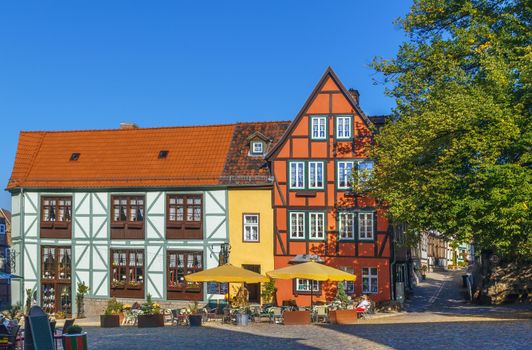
251, 234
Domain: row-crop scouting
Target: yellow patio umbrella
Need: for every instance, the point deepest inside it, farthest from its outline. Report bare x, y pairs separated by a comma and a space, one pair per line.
311, 271
226, 274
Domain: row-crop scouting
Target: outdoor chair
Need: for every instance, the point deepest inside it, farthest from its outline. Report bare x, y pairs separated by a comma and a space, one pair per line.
182, 318
167, 315
58, 335
228, 316
209, 314
320, 312
276, 315
11, 343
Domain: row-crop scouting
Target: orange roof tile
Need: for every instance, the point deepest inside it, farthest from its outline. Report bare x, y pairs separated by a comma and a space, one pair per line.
122, 157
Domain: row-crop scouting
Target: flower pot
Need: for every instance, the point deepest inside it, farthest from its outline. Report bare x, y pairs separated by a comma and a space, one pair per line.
146, 321
242, 319
195, 320
296, 317
75, 341
109, 321
343, 316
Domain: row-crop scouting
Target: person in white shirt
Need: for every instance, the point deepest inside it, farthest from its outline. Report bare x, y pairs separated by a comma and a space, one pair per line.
364, 304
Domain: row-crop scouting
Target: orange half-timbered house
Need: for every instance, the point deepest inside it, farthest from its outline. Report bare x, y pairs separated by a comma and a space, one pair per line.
316, 213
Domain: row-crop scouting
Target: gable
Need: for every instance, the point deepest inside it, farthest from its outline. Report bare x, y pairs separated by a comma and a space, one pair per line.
328, 97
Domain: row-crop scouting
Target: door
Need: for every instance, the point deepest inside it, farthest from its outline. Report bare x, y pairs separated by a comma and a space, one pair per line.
253, 288
56, 285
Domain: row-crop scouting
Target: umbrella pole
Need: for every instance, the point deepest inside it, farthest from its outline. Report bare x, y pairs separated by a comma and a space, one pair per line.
311, 293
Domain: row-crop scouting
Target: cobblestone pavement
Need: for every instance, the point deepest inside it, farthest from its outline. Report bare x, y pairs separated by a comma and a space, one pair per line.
437, 318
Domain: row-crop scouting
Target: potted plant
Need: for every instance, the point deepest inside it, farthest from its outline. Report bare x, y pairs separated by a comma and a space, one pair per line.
59, 315
195, 316
341, 314
111, 316
151, 314
268, 293
75, 339
240, 302
80, 298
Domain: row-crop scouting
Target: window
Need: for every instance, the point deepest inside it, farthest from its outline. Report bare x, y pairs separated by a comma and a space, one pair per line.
179, 264
257, 147
343, 127
317, 225
74, 156
251, 227
346, 226
365, 171
185, 216
297, 177
370, 280
319, 128
315, 175
56, 279
163, 154
365, 225
127, 273
345, 174
304, 286
127, 217
297, 225
56, 217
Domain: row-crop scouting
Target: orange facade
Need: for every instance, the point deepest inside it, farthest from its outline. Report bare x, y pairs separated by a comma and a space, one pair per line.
316, 211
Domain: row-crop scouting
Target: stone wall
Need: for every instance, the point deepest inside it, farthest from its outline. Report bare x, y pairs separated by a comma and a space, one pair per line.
95, 307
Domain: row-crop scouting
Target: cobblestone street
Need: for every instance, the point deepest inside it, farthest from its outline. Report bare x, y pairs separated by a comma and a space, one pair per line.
437, 318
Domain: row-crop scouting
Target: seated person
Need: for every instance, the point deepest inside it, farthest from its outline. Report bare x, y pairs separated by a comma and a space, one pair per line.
364, 305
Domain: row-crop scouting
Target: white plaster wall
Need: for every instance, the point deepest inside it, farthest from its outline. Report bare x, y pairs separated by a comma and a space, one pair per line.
97, 207
155, 202
211, 205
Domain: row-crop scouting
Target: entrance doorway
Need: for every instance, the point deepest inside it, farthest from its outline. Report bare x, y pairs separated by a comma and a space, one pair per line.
56, 282
253, 288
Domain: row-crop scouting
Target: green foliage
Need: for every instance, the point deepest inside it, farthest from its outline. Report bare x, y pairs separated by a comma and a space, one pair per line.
268, 291
149, 307
74, 329
114, 307
83, 288
194, 308
341, 300
457, 157
29, 293
15, 313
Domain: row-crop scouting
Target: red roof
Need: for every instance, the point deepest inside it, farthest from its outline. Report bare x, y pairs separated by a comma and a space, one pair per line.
122, 157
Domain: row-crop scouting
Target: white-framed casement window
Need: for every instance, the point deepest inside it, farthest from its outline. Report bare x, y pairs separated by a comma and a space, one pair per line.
297, 225
370, 280
315, 175
346, 226
305, 286
365, 225
318, 128
365, 170
317, 226
343, 127
297, 175
345, 174
257, 147
251, 228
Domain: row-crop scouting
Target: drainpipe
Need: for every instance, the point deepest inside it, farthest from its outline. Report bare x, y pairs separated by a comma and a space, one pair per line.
392, 284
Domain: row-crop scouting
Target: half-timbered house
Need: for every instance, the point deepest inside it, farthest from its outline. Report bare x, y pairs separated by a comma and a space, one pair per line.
318, 213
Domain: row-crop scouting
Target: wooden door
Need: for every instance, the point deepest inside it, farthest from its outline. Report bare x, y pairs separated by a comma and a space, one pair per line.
253, 288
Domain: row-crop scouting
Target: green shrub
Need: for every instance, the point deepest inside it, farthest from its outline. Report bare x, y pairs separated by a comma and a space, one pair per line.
74, 329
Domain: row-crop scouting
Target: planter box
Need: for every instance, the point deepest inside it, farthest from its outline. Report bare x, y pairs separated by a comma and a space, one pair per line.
195, 320
296, 317
75, 341
343, 316
146, 321
109, 321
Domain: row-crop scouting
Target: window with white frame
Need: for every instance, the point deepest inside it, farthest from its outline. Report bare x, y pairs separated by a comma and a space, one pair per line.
315, 175
317, 225
306, 285
370, 281
251, 227
345, 174
365, 225
343, 127
346, 225
365, 171
319, 128
297, 225
297, 175
349, 286
257, 147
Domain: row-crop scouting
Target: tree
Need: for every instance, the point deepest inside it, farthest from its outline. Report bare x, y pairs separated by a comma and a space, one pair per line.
457, 155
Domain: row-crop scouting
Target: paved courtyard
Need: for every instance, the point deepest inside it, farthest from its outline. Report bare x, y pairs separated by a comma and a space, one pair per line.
437, 318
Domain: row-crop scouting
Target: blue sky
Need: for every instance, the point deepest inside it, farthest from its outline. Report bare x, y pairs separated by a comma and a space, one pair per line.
95, 63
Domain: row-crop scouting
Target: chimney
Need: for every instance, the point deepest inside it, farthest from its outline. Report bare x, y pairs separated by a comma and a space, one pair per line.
128, 126
355, 94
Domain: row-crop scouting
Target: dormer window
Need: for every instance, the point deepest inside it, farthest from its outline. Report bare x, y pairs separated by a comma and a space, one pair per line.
257, 147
